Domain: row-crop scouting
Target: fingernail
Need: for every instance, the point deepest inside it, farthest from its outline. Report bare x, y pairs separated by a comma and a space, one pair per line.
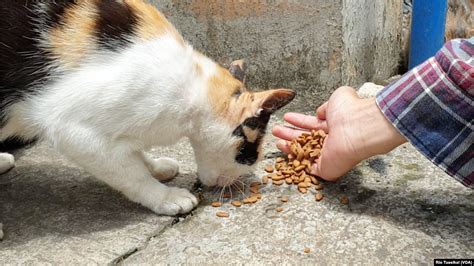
281, 144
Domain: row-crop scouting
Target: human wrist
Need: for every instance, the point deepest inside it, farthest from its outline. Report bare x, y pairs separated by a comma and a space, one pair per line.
376, 135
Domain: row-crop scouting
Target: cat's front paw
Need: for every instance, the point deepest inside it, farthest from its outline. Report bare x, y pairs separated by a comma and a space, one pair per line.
178, 200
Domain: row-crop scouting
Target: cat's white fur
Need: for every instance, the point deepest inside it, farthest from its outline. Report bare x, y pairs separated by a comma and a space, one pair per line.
7, 162
104, 115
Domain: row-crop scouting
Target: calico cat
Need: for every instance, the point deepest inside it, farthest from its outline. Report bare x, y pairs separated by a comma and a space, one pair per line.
105, 80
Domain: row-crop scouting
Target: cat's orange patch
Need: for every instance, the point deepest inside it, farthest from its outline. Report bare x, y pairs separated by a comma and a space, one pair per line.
74, 38
251, 134
151, 22
229, 104
221, 88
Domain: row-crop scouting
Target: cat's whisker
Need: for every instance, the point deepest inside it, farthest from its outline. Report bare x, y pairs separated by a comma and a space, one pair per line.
245, 186
239, 190
220, 194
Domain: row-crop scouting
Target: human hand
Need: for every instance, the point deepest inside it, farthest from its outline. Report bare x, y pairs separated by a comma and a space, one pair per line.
356, 130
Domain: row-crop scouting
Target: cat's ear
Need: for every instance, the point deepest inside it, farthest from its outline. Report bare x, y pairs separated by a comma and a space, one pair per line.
272, 100
237, 69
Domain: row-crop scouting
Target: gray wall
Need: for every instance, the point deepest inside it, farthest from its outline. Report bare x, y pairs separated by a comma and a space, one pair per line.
308, 45
372, 40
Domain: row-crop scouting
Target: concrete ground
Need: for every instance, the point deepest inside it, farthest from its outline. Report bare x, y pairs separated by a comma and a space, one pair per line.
401, 210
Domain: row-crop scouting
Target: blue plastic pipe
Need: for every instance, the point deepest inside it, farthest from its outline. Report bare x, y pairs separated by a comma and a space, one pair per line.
427, 29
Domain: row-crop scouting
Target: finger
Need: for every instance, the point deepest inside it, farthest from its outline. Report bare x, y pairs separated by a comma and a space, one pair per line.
325, 167
321, 111
321, 168
302, 121
283, 146
287, 133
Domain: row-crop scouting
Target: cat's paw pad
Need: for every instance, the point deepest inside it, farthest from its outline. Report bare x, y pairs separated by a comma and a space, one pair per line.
178, 200
7, 162
164, 169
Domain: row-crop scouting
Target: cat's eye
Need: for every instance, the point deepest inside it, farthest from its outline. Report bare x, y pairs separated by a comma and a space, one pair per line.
237, 92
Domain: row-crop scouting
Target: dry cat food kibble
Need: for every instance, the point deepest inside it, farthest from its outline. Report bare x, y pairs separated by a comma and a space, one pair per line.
255, 184
222, 214
344, 200
302, 190
254, 190
306, 250
236, 203
258, 195
319, 196
293, 170
277, 182
250, 200
296, 169
253, 198
269, 169
216, 204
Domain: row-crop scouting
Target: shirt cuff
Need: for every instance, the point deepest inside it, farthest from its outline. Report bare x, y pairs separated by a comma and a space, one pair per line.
435, 116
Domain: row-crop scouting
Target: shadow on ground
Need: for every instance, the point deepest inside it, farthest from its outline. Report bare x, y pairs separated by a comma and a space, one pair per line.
65, 201
422, 210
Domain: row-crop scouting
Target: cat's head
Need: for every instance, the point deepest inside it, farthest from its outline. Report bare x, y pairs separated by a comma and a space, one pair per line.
234, 134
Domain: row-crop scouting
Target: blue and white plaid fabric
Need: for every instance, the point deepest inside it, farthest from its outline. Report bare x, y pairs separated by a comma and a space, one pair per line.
433, 107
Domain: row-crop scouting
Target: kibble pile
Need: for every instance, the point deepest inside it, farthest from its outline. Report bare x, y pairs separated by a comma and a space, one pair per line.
295, 170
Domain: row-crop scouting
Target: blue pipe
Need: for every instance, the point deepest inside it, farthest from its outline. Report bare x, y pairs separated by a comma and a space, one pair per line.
427, 29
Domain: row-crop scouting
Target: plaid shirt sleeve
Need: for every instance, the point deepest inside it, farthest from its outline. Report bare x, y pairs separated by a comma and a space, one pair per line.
433, 107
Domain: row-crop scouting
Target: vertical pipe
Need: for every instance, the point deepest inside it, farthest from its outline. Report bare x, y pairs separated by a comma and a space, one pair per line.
427, 29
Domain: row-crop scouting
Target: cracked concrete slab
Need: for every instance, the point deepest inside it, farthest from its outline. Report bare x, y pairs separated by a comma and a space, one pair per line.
54, 212
402, 210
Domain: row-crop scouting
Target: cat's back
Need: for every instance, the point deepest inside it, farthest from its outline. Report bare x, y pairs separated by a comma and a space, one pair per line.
42, 39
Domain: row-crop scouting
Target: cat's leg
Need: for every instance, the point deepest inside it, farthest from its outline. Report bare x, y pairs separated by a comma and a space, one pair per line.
7, 162
163, 168
118, 165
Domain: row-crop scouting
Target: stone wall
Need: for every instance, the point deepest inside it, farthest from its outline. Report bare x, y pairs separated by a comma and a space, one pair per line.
372, 40
308, 45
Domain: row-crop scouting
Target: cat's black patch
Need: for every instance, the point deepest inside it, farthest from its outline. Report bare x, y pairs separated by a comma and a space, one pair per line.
11, 144
248, 151
116, 23
259, 122
56, 10
22, 62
